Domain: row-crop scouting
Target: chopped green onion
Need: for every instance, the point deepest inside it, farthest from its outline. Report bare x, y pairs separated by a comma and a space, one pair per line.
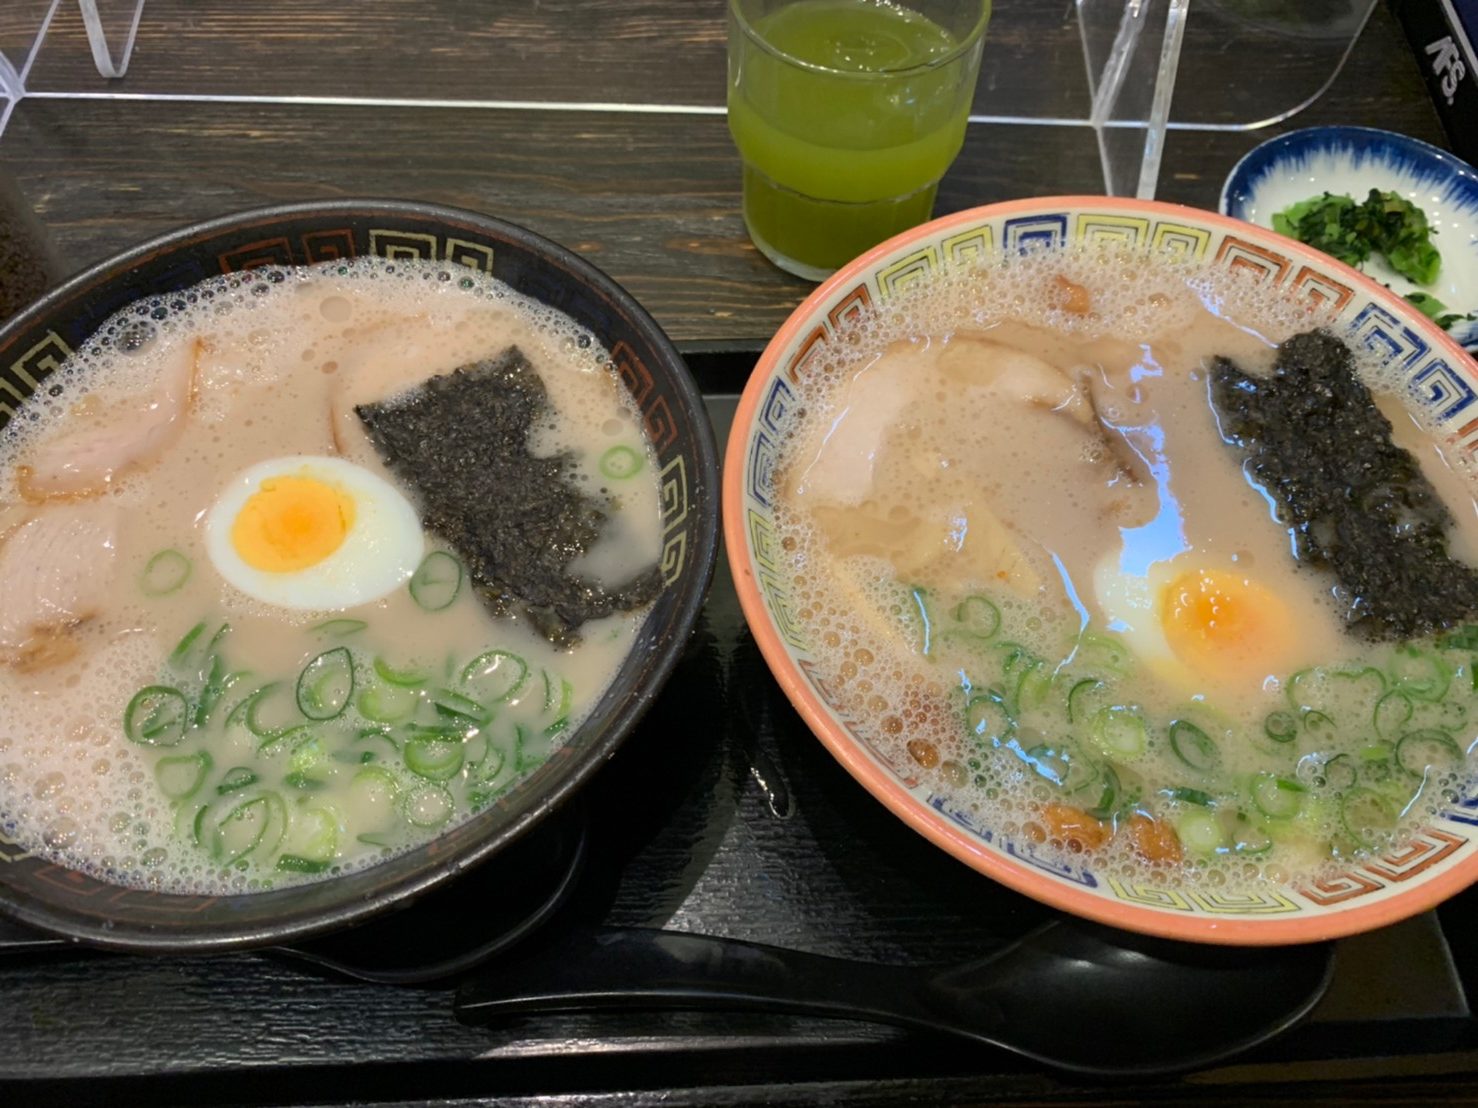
315, 836
1076, 710
977, 617
183, 647
377, 745
387, 703
1108, 796
1276, 797
987, 720
156, 716
1420, 674
181, 776
164, 573
1319, 725
562, 711
1200, 831
1249, 838
454, 704
1419, 751
497, 675
1193, 746
1118, 732
1188, 796
294, 863
326, 684
339, 628
236, 779
620, 462
428, 806
1392, 713
216, 684
376, 786
1280, 726
405, 678
437, 581
252, 826
1104, 652
433, 759
306, 763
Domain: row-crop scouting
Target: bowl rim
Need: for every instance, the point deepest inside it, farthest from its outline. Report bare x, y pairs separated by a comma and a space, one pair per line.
42, 914
1258, 161
887, 788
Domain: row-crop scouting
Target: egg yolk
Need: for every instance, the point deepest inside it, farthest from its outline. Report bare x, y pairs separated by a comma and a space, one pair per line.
1225, 625
291, 523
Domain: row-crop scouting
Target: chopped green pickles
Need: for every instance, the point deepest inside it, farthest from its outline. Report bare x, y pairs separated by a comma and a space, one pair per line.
291, 777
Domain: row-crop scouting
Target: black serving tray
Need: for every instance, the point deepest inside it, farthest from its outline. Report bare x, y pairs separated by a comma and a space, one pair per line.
720, 815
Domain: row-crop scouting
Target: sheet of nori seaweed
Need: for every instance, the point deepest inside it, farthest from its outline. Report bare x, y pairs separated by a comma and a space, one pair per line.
461, 442
1356, 504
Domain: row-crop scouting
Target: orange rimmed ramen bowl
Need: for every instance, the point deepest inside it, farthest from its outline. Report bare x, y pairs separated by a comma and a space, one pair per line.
1359, 889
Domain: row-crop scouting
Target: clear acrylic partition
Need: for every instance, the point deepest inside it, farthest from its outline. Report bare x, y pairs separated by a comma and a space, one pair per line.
1033, 72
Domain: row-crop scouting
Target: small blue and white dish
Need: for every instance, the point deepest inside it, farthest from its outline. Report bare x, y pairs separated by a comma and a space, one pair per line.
1352, 161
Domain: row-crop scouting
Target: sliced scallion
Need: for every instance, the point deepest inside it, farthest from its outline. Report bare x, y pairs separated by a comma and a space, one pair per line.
339, 628
620, 462
183, 647
1118, 732
156, 716
1276, 797
164, 573
404, 678
497, 676
1429, 749
1280, 726
427, 806
1200, 831
326, 684
977, 618
387, 703
433, 759
437, 581
235, 779
986, 719
453, 704
181, 775
1193, 746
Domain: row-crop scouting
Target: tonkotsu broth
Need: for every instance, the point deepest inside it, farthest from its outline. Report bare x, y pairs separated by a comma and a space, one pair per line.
283, 356
991, 492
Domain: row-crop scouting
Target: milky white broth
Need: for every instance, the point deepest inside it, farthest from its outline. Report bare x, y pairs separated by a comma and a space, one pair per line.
283, 355
994, 482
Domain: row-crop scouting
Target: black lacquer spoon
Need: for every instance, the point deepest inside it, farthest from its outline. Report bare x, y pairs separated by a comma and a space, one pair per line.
1154, 1006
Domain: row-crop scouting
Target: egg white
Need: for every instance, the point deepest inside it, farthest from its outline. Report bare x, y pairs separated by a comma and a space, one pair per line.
1131, 604
379, 553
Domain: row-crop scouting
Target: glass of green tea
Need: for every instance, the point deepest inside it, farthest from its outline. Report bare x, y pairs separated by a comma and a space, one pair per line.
846, 114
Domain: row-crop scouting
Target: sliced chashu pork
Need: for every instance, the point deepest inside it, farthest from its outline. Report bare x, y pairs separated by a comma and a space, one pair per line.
58, 569
895, 477
84, 461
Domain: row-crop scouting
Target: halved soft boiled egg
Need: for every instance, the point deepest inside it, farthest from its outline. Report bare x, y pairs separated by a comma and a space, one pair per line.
1202, 627
313, 533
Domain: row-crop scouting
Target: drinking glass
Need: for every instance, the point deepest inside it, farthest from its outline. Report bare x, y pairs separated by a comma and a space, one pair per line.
846, 113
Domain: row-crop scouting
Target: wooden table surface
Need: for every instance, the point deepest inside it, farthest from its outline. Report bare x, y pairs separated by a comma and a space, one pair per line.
652, 197
650, 193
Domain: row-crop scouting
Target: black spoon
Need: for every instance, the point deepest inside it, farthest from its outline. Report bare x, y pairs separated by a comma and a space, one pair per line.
1071, 995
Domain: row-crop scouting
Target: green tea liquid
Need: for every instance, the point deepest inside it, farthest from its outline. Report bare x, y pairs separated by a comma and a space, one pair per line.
844, 139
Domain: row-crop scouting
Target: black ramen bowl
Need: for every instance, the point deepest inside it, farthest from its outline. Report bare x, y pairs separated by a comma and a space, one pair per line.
41, 893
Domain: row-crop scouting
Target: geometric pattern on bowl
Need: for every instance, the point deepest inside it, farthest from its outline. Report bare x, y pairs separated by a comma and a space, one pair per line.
1440, 859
